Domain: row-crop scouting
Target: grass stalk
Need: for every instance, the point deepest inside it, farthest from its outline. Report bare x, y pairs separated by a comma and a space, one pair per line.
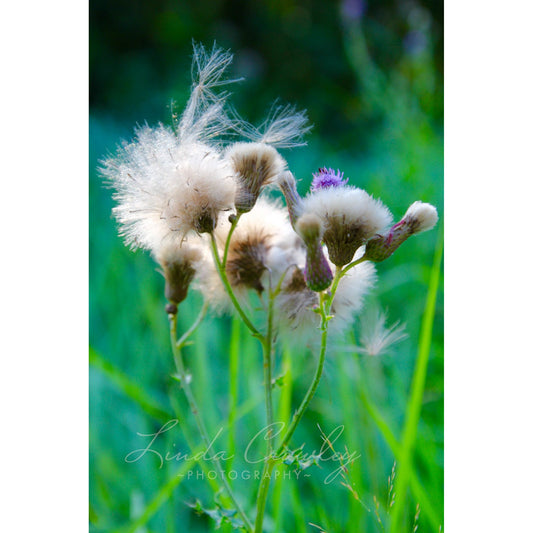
414, 405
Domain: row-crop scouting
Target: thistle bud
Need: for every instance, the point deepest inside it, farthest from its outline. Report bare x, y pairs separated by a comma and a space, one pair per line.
317, 272
256, 165
418, 218
251, 244
178, 269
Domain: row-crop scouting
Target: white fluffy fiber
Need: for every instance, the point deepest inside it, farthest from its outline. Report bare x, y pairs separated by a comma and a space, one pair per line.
349, 299
296, 309
163, 187
167, 181
422, 216
267, 221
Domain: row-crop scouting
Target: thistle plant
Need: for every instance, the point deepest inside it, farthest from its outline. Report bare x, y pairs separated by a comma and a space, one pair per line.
196, 197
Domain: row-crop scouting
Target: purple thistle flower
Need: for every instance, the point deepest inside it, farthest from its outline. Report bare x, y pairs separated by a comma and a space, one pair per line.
326, 177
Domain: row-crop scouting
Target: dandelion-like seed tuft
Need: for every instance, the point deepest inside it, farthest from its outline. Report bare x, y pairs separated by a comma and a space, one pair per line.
179, 267
349, 216
256, 165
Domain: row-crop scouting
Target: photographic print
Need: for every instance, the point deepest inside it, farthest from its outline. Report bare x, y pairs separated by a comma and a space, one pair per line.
266, 284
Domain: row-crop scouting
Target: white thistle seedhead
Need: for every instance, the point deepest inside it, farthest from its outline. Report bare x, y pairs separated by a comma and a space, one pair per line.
261, 246
295, 304
179, 263
350, 216
204, 189
351, 292
420, 217
256, 165
166, 189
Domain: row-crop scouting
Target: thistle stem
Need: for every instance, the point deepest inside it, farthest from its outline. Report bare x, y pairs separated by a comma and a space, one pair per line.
271, 460
180, 367
183, 339
230, 233
325, 307
352, 264
263, 492
267, 368
222, 273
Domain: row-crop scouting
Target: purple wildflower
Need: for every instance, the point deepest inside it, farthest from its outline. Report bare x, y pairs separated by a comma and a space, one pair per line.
326, 177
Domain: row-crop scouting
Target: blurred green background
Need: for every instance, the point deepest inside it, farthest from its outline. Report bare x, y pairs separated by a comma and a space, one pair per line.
371, 78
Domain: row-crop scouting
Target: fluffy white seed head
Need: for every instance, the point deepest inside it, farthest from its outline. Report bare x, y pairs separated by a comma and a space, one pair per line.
256, 165
349, 216
165, 189
296, 319
349, 206
421, 217
179, 263
262, 245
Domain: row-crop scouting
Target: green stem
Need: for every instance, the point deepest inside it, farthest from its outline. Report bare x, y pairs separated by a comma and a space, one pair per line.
325, 307
222, 273
349, 266
228, 239
183, 339
234, 367
267, 366
263, 492
267, 374
324, 313
180, 367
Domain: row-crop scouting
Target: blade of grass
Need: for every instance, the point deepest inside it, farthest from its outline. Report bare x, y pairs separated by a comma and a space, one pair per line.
352, 425
420, 495
163, 494
297, 509
417, 390
129, 388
